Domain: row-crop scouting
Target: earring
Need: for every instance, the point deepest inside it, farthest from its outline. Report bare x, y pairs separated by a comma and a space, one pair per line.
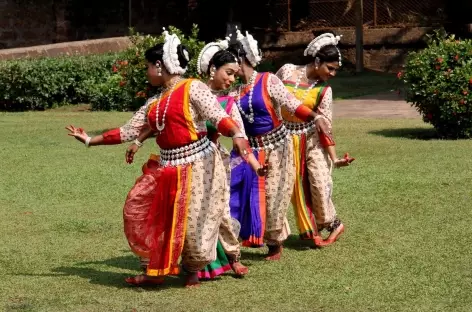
212, 73
159, 69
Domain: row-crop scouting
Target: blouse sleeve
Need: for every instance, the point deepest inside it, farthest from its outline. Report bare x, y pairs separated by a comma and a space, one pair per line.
285, 72
281, 97
325, 111
236, 116
208, 107
130, 130
326, 105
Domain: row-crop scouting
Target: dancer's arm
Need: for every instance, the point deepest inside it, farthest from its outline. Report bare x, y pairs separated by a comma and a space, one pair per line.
125, 133
261, 170
138, 142
325, 111
282, 97
210, 109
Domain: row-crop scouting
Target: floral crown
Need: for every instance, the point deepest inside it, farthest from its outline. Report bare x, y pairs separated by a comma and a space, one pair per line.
250, 46
321, 41
207, 53
170, 56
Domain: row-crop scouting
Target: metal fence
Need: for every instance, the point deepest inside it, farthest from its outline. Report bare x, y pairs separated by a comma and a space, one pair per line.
292, 15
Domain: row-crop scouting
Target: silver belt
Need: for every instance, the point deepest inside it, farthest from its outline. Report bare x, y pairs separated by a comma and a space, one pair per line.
269, 141
186, 154
300, 127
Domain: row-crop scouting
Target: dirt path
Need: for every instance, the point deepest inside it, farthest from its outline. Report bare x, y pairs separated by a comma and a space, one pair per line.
383, 105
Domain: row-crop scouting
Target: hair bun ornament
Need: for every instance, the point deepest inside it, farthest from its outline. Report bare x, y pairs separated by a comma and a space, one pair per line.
321, 41
207, 53
186, 55
250, 46
170, 56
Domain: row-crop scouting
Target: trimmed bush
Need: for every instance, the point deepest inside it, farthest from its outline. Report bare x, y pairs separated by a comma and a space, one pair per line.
108, 82
38, 84
131, 66
438, 83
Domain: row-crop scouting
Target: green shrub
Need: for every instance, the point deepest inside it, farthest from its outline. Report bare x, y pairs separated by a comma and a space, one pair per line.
108, 95
132, 65
267, 66
438, 83
37, 84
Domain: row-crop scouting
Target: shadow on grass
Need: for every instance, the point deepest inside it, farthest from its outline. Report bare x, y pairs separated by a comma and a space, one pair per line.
129, 262
87, 270
294, 242
409, 133
253, 254
114, 279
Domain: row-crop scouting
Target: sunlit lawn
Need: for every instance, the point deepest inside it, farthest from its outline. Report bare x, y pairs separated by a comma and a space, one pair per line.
406, 203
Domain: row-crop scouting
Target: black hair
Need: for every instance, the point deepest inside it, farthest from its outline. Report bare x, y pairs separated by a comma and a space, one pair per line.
237, 49
329, 53
156, 53
221, 58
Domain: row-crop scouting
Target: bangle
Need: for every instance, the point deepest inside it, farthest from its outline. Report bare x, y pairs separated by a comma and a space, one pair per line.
139, 144
87, 141
239, 135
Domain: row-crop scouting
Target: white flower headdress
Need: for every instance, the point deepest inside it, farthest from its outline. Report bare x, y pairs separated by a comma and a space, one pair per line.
207, 53
170, 56
319, 42
250, 46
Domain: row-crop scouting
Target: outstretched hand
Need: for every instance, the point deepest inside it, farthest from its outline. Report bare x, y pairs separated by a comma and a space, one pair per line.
343, 162
130, 151
77, 133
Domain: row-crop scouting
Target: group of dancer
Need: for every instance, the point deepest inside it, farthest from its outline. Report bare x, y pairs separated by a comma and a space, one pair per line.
196, 203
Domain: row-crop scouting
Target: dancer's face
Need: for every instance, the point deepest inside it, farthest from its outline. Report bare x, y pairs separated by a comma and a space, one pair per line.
152, 74
224, 76
242, 68
323, 71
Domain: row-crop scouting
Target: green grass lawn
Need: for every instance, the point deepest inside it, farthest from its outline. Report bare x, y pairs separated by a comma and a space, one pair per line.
406, 203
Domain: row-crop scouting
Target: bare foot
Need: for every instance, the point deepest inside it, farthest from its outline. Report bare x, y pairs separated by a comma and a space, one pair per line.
275, 252
319, 242
333, 237
192, 280
143, 280
239, 269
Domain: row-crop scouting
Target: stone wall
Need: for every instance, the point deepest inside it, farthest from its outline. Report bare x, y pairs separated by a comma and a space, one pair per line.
26, 23
97, 46
23, 23
384, 49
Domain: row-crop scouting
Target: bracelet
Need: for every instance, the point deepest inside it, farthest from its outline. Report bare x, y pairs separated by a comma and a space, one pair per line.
87, 141
239, 135
139, 144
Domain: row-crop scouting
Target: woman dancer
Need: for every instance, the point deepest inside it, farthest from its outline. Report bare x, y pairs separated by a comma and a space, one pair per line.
220, 66
259, 102
315, 154
190, 200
